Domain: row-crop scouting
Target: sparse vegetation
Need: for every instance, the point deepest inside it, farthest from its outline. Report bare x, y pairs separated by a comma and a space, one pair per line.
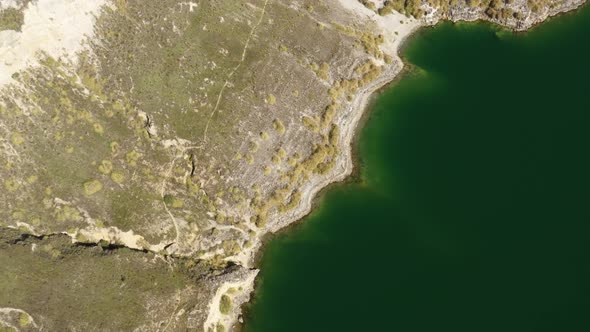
253, 146
225, 304
369, 4
17, 138
311, 123
494, 9
173, 202
220, 327
93, 269
11, 19
278, 126
24, 320
105, 167
91, 187
271, 99
117, 177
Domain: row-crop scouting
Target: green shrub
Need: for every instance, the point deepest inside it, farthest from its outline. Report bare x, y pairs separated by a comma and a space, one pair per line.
225, 304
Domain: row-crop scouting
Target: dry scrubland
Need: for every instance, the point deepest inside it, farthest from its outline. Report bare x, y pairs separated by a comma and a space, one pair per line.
138, 177
516, 14
188, 126
183, 130
499, 10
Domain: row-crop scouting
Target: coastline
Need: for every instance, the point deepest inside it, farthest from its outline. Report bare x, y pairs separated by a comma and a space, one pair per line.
222, 253
350, 121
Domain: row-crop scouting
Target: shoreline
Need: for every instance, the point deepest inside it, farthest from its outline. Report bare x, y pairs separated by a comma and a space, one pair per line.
351, 121
351, 127
205, 249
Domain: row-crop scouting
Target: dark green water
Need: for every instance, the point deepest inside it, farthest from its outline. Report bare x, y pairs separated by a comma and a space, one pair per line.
472, 211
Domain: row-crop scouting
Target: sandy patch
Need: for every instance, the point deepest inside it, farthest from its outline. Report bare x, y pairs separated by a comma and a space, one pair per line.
239, 294
115, 236
4, 4
57, 28
16, 319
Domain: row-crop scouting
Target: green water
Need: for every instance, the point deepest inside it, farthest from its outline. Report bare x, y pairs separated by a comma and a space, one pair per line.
472, 210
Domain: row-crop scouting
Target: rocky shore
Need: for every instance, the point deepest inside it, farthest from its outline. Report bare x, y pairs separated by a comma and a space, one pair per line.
395, 33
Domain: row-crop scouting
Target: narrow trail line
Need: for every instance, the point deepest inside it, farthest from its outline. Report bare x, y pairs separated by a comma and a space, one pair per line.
219, 97
162, 189
172, 316
227, 81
